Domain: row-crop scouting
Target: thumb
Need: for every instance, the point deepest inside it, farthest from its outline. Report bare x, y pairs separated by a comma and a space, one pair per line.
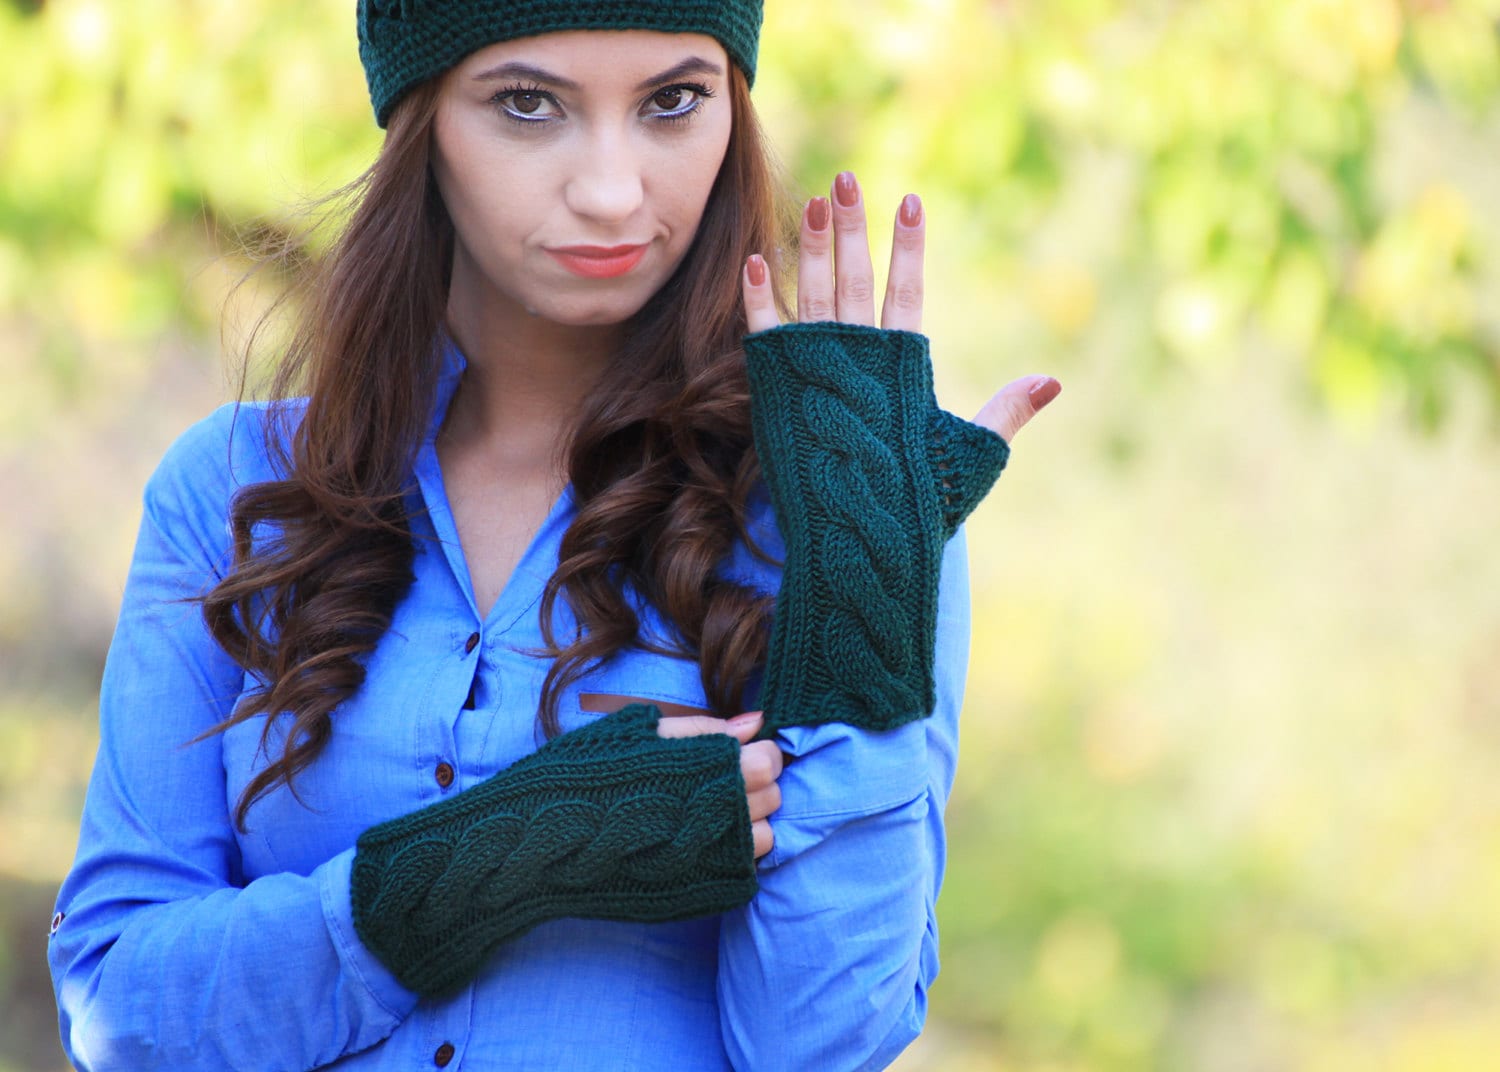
742, 727
1016, 403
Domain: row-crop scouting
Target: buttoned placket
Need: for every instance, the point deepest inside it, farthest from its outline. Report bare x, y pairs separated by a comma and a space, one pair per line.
480, 733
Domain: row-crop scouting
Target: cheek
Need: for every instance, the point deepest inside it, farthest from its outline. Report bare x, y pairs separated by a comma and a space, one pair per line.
489, 194
480, 197
689, 177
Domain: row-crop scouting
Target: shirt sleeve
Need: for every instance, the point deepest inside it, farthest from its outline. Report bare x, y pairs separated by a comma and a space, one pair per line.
162, 956
829, 965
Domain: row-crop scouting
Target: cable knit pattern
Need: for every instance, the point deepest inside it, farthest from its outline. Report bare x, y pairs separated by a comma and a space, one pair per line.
606, 822
869, 479
405, 42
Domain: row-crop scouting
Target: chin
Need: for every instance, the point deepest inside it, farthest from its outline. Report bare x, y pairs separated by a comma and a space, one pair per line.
589, 314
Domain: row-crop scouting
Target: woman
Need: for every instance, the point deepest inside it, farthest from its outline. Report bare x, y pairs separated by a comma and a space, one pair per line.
517, 525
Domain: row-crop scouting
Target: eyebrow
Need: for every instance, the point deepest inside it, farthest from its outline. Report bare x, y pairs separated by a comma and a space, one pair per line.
691, 65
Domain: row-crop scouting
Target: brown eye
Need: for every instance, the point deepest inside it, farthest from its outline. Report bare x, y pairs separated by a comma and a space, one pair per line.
529, 107
669, 100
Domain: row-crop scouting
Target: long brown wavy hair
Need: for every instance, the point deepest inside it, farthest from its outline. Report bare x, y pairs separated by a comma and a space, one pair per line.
661, 459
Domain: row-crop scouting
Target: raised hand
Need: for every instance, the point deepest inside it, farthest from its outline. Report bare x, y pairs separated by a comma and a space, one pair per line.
836, 281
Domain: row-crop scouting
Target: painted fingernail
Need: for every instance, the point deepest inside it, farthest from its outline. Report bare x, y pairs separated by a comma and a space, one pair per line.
911, 210
817, 213
746, 719
846, 189
755, 268
1044, 392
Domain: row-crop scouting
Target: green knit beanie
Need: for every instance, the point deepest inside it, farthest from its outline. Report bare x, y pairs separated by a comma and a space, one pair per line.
404, 42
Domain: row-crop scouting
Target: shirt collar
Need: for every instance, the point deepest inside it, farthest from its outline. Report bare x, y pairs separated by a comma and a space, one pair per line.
451, 365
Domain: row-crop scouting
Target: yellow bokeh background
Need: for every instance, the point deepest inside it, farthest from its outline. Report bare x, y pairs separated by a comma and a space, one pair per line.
1227, 797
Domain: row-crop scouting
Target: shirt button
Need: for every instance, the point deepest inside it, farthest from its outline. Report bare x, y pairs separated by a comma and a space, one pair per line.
471, 643
444, 775
56, 923
444, 1055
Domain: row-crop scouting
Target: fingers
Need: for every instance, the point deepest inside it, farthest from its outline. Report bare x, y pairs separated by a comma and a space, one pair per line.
1016, 403
815, 299
855, 275
902, 310
835, 278
742, 727
764, 840
764, 802
761, 763
760, 299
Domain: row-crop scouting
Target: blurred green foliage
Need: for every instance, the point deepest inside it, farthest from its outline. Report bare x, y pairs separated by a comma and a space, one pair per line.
1226, 799
1259, 185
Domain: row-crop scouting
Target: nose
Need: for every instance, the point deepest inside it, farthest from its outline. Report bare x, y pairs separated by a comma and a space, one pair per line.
607, 184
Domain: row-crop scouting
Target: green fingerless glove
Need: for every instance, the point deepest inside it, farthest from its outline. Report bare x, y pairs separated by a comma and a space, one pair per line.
869, 479
606, 822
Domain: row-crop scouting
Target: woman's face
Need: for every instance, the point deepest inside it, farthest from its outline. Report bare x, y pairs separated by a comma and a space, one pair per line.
576, 167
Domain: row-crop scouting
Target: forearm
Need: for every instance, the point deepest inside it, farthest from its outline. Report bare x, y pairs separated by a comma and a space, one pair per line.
830, 965
610, 821
263, 978
870, 479
164, 955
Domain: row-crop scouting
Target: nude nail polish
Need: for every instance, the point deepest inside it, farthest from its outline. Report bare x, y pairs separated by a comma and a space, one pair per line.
755, 268
1043, 392
911, 210
817, 213
846, 189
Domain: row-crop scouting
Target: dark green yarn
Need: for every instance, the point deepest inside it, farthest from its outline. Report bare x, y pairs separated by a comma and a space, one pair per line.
609, 821
869, 479
404, 42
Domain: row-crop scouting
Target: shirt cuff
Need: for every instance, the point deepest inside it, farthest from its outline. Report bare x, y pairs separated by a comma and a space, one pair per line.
841, 774
338, 913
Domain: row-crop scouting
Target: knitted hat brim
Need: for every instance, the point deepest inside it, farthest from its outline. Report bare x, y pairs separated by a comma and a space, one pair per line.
402, 43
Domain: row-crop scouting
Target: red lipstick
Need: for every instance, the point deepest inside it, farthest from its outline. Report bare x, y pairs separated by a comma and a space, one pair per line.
598, 262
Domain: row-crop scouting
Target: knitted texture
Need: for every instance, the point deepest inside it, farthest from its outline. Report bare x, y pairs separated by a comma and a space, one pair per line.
606, 822
869, 479
405, 42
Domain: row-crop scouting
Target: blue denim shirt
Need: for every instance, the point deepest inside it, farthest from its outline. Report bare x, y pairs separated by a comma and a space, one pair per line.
181, 943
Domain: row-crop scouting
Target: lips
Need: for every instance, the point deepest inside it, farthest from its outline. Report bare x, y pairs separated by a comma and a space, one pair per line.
598, 262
